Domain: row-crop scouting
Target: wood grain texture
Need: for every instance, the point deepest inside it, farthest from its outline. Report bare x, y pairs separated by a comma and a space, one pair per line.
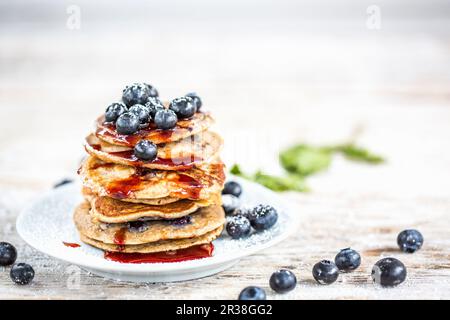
270, 83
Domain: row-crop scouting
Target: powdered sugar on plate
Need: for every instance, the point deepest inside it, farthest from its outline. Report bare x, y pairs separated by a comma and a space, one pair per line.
47, 223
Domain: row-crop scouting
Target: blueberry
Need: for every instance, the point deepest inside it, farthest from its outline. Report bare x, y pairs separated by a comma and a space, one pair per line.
238, 227
197, 101
142, 112
410, 240
154, 104
389, 272
62, 182
137, 226
181, 221
233, 188
165, 119
145, 150
127, 123
138, 93
347, 260
21, 273
263, 217
184, 107
252, 293
8, 254
114, 110
325, 272
243, 211
230, 203
283, 281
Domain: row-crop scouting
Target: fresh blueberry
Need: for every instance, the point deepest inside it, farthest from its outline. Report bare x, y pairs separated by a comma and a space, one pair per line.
181, 221
232, 187
114, 110
145, 150
8, 254
252, 293
238, 227
127, 123
154, 104
410, 240
243, 211
347, 260
21, 273
62, 182
389, 272
325, 272
197, 101
263, 217
283, 281
184, 107
165, 119
141, 112
138, 93
137, 226
230, 203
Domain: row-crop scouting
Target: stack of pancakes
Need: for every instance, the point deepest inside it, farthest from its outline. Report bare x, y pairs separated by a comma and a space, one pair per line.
170, 203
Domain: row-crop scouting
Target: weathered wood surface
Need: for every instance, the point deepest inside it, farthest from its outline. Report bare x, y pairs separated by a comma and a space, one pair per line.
269, 85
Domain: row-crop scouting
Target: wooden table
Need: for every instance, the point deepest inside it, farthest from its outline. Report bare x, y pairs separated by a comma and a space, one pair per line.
271, 80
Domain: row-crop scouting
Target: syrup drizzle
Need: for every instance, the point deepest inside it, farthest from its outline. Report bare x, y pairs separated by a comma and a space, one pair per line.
71, 244
108, 130
191, 253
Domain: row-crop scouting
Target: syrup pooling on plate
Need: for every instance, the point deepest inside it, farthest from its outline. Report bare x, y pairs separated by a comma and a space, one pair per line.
191, 253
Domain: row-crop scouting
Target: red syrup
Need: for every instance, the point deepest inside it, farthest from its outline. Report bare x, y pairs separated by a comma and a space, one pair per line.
191, 253
71, 245
119, 236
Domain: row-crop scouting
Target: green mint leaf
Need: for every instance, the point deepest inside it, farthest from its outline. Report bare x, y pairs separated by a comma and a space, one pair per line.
290, 182
355, 153
305, 160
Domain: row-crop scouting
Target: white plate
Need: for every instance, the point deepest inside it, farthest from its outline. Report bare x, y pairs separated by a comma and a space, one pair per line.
47, 222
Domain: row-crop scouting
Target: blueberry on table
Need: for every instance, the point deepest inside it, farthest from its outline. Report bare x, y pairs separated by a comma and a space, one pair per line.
252, 293
283, 281
165, 119
184, 107
325, 272
138, 93
232, 187
8, 254
230, 203
142, 112
114, 110
127, 123
62, 182
145, 150
154, 104
389, 272
263, 217
410, 240
347, 260
21, 273
197, 101
238, 227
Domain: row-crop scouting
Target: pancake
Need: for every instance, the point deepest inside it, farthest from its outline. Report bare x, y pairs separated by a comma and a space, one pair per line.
159, 246
202, 221
110, 210
181, 155
126, 182
199, 122
88, 194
